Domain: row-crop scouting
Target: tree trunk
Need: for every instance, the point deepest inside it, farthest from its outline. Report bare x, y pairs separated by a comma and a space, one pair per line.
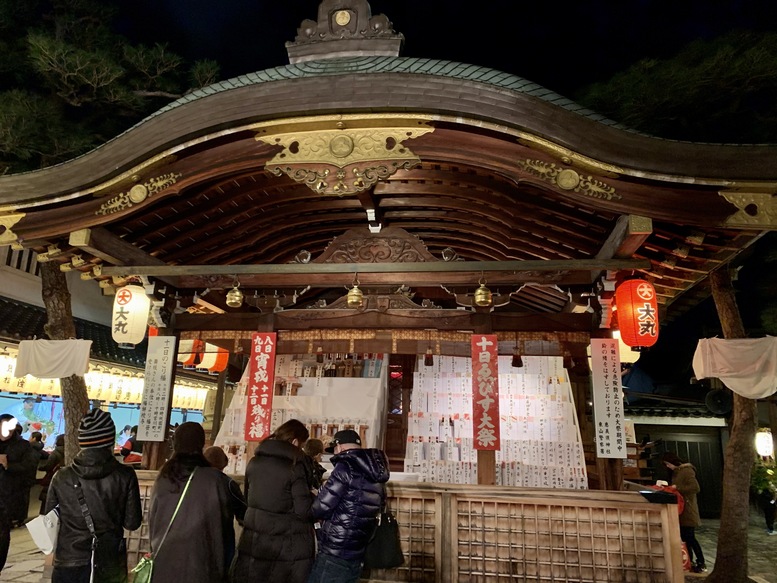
60, 326
731, 560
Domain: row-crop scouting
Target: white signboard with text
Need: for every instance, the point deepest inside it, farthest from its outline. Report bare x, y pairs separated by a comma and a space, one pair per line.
608, 399
154, 409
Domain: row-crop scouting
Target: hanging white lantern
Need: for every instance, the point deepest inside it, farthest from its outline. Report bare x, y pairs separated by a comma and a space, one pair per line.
764, 445
130, 315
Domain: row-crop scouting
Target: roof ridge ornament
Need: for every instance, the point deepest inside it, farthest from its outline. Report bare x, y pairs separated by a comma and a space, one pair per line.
345, 28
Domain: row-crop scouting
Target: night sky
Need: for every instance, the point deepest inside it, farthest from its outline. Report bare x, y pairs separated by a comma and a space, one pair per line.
561, 45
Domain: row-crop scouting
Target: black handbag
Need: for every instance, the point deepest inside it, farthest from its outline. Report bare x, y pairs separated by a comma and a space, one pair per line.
384, 551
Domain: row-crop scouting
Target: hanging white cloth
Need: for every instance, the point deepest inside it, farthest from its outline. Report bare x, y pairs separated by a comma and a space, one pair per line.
747, 366
53, 359
232, 430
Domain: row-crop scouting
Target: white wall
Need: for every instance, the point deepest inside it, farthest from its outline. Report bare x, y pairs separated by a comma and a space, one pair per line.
87, 300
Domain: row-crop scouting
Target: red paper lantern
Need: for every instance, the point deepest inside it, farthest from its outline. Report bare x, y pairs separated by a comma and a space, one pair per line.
637, 313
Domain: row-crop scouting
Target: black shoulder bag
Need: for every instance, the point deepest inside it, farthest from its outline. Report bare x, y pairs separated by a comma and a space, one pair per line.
109, 552
384, 551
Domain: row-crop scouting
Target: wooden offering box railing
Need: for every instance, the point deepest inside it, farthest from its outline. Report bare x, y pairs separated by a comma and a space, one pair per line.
483, 534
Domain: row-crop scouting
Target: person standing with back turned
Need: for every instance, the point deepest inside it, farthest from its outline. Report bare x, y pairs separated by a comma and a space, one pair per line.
684, 479
348, 505
194, 545
277, 544
16, 462
111, 494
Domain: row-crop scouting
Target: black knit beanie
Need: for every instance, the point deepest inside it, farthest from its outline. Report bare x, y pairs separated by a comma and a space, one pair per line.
96, 430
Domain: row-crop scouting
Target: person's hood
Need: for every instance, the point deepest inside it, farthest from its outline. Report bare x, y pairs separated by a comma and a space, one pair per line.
15, 438
280, 448
94, 463
373, 463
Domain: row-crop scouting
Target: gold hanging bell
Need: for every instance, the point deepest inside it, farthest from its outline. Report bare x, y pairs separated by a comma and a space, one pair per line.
355, 297
483, 296
235, 296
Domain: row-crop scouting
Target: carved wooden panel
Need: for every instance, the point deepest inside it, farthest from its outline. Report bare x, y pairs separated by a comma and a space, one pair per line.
391, 245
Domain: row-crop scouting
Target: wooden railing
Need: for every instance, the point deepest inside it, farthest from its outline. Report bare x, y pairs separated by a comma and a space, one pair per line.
483, 534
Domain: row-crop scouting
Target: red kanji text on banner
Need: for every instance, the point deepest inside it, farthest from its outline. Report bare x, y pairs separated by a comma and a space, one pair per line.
259, 389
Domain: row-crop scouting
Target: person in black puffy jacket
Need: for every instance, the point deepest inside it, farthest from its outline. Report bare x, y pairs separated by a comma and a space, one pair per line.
347, 506
110, 490
277, 544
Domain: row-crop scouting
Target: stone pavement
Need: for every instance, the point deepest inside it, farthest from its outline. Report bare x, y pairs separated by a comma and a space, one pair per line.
761, 549
26, 563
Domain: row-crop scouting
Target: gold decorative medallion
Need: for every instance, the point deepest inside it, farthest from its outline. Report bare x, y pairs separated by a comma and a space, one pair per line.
342, 17
341, 146
137, 194
568, 179
343, 161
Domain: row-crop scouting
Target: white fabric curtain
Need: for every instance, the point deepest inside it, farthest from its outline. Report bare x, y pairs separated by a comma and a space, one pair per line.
747, 366
53, 359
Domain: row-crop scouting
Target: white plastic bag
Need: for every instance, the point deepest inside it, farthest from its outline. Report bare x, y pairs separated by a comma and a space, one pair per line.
44, 530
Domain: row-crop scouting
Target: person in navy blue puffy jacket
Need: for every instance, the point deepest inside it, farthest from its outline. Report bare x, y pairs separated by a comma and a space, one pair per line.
347, 506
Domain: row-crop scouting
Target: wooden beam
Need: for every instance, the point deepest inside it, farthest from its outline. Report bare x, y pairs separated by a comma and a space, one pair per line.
630, 232
391, 319
108, 247
566, 272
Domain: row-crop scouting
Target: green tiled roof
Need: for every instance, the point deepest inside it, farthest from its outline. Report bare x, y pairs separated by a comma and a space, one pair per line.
395, 65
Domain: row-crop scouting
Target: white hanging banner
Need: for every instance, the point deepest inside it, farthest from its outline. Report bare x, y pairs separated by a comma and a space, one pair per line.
232, 431
50, 359
154, 411
747, 366
130, 315
608, 398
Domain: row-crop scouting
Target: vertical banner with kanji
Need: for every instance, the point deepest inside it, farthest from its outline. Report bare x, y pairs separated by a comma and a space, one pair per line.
608, 398
485, 391
259, 390
154, 411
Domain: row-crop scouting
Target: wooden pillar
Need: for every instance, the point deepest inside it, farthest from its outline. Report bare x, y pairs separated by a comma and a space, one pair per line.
610, 472
731, 559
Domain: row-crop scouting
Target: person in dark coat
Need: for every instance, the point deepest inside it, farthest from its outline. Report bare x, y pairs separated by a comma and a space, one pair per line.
16, 459
197, 546
684, 479
348, 505
51, 466
18, 471
767, 499
277, 544
237, 503
36, 441
313, 449
111, 493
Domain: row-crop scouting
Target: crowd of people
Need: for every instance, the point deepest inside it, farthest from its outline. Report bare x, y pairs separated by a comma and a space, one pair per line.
297, 527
